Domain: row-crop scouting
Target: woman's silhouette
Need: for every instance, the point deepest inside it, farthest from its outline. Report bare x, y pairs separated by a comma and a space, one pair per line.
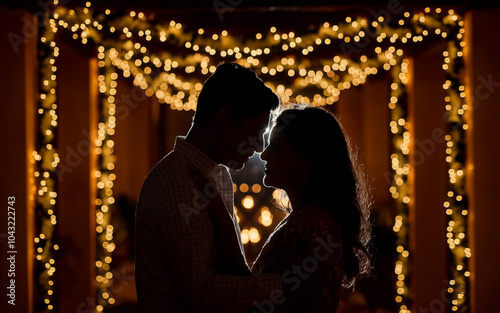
322, 243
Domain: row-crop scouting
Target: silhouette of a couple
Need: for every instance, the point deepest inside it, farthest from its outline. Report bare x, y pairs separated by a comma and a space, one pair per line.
189, 254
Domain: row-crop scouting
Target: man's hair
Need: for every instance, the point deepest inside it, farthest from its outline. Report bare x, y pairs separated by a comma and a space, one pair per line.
237, 88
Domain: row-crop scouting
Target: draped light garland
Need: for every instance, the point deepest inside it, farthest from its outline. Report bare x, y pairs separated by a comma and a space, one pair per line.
126, 45
46, 175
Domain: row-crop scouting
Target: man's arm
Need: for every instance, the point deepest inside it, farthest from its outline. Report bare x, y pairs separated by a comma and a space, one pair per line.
189, 243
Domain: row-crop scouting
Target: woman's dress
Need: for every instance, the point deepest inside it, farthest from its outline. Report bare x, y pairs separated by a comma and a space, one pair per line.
306, 249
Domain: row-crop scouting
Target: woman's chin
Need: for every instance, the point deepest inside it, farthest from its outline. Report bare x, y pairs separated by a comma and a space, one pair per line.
268, 182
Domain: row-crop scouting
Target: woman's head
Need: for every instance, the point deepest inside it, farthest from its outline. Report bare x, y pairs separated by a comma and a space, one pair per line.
309, 150
310, 154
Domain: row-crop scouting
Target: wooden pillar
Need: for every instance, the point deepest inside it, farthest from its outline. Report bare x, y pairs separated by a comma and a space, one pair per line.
349, 109
176, 123
364, 114
377, 143
18, 83
136, 135
77, 88
428, 178
483, 149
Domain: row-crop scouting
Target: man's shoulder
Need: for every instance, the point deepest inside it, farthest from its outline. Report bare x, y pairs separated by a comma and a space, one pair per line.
172, 166
170, 173
167, 186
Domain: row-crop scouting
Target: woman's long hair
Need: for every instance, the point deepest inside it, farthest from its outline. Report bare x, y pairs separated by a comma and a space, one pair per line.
336, 180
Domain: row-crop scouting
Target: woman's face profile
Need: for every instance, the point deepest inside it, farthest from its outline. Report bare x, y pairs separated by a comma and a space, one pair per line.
285, 167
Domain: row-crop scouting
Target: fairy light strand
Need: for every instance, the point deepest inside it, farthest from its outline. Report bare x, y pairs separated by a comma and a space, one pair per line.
400, 190
136, 27
105, 176
45, 174
456, 204
284, 59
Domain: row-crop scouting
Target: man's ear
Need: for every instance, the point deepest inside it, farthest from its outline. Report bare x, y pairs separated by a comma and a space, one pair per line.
224, 119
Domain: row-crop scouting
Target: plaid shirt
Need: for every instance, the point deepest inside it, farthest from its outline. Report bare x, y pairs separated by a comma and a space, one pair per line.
176, 255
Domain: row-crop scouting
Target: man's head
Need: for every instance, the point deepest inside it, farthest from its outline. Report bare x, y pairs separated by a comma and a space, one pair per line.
234, 105
237, 88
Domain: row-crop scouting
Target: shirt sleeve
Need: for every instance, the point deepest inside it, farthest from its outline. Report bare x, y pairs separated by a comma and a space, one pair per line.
186, 236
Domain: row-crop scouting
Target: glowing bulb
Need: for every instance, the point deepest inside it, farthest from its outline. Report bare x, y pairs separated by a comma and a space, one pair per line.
248, 202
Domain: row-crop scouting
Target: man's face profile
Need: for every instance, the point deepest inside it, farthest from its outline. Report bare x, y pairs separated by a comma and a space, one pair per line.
246, 139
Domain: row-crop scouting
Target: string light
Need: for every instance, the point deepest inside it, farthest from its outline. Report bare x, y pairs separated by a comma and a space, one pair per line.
105, 178
400, 189
170, 78
247, 53
45, 174
456, 205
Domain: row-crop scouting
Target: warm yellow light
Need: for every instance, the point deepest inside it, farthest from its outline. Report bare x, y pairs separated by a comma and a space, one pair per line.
265, 217
248, 202
245, 236
256, 188
254, 235
244, 188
